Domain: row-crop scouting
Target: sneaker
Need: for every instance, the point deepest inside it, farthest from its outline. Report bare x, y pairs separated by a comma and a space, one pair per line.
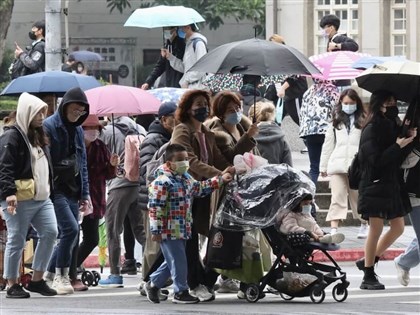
240, 295
363, 231
332, 238
403, 275
370, 281
62, 285
228, 286
184, 297
129, 267
113, 281
152, 292
333, 231
41, 287
202, 293
78, 285
17, 292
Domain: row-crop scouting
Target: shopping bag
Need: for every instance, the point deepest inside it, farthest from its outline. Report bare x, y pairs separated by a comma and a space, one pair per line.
279, 111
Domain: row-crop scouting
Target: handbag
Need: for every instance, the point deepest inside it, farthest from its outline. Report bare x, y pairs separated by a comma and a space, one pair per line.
25, 189
354, 173
224, 249
279, 111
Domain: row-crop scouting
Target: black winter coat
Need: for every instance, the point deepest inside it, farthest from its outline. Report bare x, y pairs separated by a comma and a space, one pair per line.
155, 138
381, 189
15, 161
171, 76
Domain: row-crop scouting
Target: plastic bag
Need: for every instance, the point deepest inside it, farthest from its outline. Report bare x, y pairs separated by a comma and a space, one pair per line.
295, 282
247, 162
253, 199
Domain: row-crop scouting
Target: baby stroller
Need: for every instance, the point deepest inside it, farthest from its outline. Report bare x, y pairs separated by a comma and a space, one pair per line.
253, 201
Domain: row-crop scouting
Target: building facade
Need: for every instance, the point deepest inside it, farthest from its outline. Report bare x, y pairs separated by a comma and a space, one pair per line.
380, 27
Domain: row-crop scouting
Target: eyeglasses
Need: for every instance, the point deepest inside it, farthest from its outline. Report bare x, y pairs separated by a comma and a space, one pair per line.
79, 112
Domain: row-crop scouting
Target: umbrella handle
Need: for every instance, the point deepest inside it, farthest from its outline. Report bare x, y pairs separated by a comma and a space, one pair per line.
114, 145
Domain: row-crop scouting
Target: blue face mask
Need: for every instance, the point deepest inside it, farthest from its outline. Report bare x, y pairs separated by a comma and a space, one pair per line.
349, 109
234, 118
306, 209
181, 33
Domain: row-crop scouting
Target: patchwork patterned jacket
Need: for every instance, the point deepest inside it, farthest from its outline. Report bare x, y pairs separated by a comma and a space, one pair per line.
170, 199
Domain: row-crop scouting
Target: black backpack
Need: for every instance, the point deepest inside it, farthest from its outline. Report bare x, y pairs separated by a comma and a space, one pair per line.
354, 173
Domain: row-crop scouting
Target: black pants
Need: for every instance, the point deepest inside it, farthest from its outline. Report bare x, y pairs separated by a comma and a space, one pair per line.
129, 240
90, 238
292, 108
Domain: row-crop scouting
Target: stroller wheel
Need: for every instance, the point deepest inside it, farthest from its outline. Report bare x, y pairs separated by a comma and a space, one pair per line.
252, 293
96, 279
317, 296
286, 297
87, 278
340, 293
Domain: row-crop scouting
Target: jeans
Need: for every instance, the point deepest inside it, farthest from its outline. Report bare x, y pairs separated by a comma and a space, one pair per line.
67, 212
411, 257
314, 144
41, 215
174, 266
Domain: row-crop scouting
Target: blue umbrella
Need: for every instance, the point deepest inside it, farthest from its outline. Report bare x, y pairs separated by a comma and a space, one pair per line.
85, 56
369, 62
54, 82
162, 15
168, 94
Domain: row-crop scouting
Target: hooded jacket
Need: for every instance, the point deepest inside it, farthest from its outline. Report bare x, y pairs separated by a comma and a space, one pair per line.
170, 199
272, 144
155, 138
60, 131
192, 54
16, 158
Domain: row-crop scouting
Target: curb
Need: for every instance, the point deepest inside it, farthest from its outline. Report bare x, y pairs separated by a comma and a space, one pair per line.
341, 255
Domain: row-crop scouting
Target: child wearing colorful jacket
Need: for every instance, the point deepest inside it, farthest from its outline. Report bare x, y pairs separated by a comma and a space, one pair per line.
170, 199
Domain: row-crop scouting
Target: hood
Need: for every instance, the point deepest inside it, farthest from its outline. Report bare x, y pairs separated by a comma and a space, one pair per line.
197, 35
156, 127
268, 132
74, 95
28, 106
164, 170
128, 126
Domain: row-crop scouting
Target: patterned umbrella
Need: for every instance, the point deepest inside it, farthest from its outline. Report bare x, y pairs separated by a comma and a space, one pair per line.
168, 94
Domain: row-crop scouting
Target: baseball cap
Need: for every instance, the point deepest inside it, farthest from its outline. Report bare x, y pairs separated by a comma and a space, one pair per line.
166, 109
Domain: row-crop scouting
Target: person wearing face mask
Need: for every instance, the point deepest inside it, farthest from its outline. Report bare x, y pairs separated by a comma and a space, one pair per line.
299, 220
171, 195
205, 161
176, 45
195, 48
101, 165
340, 145
32, 61
71, 185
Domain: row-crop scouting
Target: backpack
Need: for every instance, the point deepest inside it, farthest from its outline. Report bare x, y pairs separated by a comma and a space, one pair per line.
157, 160
196, 40
17, 69
354, 173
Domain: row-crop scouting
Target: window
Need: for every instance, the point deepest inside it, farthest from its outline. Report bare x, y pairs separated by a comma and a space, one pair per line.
398, 27
347, 12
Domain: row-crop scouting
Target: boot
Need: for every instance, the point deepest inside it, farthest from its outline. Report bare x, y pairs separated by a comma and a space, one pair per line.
129, 267
361, 262
370, 280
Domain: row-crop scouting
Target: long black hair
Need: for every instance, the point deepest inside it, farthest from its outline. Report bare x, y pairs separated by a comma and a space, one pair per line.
377, 101
341, 117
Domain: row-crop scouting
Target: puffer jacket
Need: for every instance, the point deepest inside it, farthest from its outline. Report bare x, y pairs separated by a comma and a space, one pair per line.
170, 199
155, 138
339, 149
297, 222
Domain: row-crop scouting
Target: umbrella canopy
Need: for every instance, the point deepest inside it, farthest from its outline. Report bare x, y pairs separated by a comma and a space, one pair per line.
257, 57
337, 65
162, 15
85, 56
54, 82
168, 94
368, 62
121, 100
402, 78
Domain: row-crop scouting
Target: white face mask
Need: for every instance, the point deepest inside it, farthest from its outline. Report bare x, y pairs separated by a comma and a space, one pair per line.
91, 135
349, 109
306, 209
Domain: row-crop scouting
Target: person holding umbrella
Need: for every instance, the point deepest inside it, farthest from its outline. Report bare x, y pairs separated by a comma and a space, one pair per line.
196, 47
382, 195
175, 45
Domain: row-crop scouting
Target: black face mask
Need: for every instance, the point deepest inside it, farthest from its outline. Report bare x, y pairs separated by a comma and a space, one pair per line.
391, 112
32, 35
201, 114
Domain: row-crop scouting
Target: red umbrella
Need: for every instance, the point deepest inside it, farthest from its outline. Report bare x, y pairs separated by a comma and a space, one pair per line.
337, 65
121, 100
